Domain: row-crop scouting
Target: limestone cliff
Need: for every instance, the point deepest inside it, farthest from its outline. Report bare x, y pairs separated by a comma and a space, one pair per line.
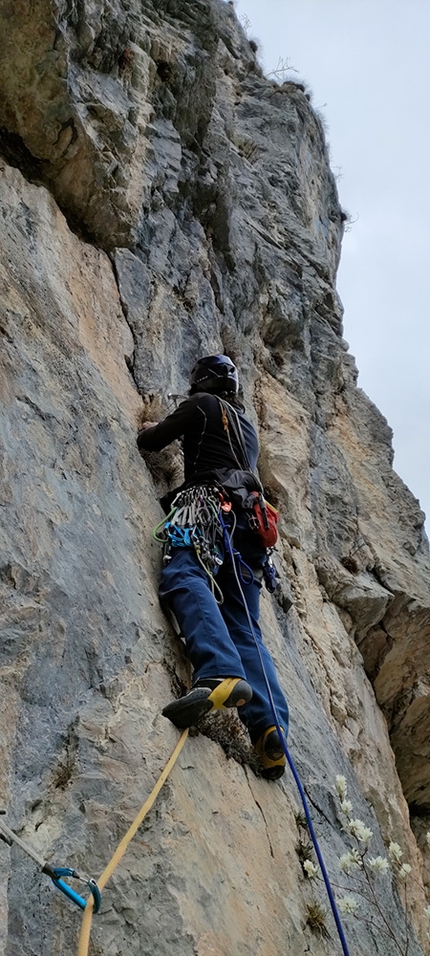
160, 199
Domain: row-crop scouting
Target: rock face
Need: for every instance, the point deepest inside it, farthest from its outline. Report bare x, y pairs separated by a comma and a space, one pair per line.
162, 199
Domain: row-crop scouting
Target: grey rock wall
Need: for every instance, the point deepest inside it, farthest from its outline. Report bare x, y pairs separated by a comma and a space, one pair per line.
160, 199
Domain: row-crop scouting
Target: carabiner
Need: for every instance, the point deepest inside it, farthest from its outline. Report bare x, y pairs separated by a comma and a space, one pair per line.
56, 872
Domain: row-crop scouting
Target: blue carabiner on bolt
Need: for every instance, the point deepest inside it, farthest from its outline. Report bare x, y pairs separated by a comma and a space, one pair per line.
56, 872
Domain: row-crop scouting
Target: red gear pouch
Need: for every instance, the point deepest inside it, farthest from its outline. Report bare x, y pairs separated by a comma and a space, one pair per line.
263, 519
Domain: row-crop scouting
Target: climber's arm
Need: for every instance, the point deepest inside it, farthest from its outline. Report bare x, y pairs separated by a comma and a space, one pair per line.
155, 436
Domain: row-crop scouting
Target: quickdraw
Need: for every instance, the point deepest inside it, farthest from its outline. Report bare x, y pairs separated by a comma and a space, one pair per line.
56, 873
194, 522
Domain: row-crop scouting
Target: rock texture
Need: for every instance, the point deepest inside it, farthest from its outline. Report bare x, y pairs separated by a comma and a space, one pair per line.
160, 199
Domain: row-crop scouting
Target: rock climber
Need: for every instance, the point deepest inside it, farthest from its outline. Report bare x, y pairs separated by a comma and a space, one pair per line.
227, 670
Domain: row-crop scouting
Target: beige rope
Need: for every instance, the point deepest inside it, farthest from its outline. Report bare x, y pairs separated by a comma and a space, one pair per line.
84, 939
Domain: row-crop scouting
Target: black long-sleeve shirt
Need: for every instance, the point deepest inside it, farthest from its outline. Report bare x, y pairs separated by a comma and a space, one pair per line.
206, 444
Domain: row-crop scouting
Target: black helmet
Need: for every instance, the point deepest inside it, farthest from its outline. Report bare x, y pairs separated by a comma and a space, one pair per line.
214, 373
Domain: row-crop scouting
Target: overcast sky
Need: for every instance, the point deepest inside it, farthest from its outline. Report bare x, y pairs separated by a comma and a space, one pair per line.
367, 63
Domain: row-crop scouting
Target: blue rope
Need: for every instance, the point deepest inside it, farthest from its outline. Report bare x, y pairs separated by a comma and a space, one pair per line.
233, 554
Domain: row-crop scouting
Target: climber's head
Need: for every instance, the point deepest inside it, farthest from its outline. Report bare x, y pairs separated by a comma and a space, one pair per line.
215, 374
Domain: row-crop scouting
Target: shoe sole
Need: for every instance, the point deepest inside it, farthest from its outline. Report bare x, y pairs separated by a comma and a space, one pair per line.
232, 692
272, 758
273, 773
274, 753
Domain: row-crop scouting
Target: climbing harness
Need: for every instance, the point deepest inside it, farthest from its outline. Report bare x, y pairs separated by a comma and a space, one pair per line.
194, 521
236, 556
56, 873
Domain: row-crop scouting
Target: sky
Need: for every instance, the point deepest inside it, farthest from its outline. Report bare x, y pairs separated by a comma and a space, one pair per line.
367, 64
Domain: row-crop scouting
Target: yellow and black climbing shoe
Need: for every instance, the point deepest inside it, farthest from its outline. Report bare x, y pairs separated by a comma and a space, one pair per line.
208, 694
271, 754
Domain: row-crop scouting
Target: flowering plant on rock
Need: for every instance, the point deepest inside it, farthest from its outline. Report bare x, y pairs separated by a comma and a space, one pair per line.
365, 898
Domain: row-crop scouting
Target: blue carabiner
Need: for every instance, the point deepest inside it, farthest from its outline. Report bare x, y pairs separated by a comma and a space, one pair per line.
56, 872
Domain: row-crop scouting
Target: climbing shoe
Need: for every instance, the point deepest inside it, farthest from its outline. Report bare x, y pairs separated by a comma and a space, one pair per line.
214, 693
270, 751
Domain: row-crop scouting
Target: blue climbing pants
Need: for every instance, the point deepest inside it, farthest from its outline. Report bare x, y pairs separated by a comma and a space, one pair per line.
218, 637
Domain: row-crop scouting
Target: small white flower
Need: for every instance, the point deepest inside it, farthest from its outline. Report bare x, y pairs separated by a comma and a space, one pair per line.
394, 852
310, 869
341, 786
351, 825
365, 835
359, 830
378, 864
404, 871
428, 837
350, 860
427, 912
346, 807
347, 904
